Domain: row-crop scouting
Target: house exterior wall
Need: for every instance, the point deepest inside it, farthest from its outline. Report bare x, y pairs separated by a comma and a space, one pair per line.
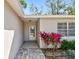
26, 31
13, 33
50, 25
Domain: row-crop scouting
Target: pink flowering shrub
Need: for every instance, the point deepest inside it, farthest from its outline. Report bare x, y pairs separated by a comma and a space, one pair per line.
54, 37
44, 36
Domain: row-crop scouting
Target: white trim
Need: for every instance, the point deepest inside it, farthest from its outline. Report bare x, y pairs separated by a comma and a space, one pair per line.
50, 16
68, 38
20, 6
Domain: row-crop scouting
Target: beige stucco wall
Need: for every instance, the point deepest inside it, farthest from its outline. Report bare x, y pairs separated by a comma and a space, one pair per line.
50, 25
13, 33
26, 31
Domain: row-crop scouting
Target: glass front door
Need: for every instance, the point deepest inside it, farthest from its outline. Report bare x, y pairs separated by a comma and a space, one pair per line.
32, 32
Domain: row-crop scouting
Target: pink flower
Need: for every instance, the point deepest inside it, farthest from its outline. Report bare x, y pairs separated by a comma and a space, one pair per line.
53, 37
44, 36
56, 37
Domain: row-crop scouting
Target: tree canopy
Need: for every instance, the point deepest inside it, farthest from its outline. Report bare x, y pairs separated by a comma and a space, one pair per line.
54, 7
23, 3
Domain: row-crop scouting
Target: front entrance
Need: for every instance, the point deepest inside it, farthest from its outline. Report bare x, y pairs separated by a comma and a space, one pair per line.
30, 28
32, 32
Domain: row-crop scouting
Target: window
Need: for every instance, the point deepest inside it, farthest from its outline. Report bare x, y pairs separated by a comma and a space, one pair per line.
71, 29
67, 29
62, 28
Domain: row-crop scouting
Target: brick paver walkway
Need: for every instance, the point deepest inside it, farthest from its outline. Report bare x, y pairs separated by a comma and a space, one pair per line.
30, 50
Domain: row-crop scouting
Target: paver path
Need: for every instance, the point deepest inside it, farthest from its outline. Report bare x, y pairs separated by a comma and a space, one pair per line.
30, 51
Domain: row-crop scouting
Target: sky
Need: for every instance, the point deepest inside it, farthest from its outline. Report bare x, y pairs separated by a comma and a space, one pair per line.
39, 3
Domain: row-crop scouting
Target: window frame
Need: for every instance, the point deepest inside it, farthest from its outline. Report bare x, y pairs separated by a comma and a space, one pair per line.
67, 28
71, 29
30, 34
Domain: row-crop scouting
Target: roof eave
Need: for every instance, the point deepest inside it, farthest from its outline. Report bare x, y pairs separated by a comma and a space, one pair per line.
51, 16
16, 7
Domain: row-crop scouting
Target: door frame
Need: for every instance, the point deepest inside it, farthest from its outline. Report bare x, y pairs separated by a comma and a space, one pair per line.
30, 26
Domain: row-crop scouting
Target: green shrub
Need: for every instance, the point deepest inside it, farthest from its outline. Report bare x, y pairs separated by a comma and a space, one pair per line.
66, 45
